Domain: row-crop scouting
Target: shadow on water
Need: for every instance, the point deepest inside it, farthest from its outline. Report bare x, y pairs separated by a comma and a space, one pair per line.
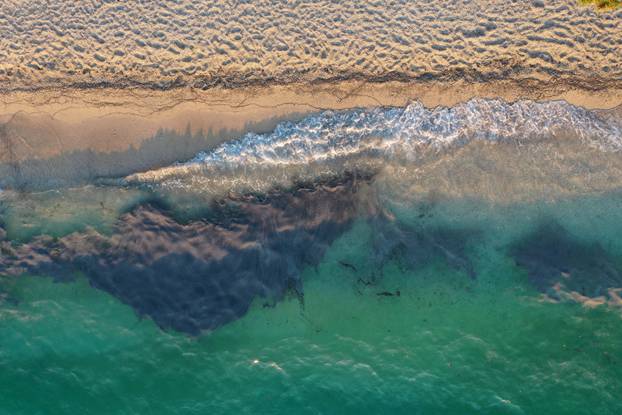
553, 257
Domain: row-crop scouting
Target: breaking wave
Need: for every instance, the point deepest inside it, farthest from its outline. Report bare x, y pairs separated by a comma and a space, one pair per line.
390, 133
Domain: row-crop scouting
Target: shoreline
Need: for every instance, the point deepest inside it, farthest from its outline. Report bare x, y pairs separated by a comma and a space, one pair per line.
114, 119
48, 137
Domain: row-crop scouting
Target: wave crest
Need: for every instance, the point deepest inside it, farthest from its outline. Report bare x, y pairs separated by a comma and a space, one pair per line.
402, 133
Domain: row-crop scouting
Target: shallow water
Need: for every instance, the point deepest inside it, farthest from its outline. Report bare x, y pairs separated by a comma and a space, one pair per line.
362, 297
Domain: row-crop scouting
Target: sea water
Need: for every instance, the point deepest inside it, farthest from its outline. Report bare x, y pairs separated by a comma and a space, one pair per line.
422, 299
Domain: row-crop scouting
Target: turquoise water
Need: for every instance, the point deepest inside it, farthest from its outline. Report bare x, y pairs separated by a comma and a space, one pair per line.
448, 344
462, 260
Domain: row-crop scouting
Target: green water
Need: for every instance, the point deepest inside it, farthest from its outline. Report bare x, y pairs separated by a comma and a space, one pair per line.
447, 345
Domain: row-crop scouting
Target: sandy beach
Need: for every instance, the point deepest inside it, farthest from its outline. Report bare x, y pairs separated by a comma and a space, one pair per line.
164, 45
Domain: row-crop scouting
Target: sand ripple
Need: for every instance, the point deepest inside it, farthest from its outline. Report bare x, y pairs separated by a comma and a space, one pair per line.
203, 43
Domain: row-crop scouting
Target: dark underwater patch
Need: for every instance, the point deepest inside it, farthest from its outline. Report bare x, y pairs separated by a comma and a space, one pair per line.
416, 247
553, 257
201, 274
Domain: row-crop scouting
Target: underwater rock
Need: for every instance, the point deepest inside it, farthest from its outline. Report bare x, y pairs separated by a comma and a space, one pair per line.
556, 262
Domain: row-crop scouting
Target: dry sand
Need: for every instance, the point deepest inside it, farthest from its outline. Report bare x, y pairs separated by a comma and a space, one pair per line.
164, 44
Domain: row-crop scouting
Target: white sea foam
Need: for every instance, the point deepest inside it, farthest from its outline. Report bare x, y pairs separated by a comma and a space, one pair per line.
333, 141
401, 133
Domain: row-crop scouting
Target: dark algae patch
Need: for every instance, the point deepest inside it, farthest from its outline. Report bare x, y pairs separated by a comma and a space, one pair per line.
554, 259
201, 274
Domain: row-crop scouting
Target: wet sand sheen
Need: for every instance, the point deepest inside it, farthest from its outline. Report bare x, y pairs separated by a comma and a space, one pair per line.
47, 123
70, 140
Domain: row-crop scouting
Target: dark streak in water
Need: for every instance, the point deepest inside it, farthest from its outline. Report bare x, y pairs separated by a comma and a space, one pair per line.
414, 248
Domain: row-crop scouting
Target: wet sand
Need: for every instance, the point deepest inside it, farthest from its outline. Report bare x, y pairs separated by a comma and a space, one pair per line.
49, 137
47, 123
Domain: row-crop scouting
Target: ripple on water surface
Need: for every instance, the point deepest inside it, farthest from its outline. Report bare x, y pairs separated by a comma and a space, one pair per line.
448, 343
